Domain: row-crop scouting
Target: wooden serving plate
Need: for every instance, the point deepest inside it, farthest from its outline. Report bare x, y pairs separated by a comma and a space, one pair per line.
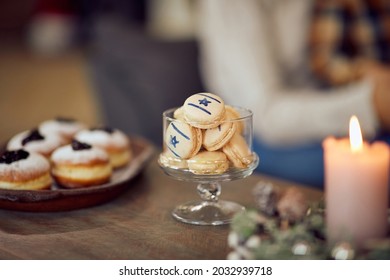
61, 199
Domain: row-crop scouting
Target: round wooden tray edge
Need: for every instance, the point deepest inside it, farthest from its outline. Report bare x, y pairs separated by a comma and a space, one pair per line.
72, 199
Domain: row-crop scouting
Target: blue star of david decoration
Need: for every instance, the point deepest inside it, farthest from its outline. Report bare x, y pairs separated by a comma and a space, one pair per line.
174, 141
204, 102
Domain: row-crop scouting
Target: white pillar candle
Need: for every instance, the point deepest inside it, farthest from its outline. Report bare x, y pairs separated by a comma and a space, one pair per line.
356, 188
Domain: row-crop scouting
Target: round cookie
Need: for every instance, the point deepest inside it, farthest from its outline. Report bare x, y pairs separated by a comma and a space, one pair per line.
215, 138
36, 142
168, 159
64, 127
80, 165
204, 110
238, 151
206, 162
183, 140
113, 141
179, 114
232, 114
21, 170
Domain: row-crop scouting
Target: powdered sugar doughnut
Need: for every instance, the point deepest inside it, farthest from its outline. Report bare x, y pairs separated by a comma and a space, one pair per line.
80, 165
63, 127
36, 142
113, 141
22, 170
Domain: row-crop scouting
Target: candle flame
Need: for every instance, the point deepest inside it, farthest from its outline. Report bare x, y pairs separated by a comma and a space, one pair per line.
355, 134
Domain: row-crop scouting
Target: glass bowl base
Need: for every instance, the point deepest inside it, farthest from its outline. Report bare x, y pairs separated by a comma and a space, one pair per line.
207, 212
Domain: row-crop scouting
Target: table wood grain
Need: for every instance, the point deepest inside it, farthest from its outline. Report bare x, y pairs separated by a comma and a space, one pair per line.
136, 225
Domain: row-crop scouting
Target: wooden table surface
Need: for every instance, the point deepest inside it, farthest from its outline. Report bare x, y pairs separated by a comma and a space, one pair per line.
135, 225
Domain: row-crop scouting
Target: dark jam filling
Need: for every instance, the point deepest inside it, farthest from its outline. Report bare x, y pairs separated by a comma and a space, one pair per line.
34, 135
78, 146
9, 157
65, 120
105, 128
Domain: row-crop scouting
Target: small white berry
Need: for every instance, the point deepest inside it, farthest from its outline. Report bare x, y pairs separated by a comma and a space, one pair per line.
253, 242
233, 239
233, 256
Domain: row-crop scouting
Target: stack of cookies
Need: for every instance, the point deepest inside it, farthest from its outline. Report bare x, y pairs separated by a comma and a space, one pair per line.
206, 136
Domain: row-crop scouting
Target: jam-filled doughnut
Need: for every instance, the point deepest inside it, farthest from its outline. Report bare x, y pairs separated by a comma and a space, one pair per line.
113, 141
22, 170
35, 141
66, 128
80, 165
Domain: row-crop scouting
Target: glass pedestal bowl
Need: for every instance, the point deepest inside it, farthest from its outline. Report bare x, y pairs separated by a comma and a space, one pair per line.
209, 210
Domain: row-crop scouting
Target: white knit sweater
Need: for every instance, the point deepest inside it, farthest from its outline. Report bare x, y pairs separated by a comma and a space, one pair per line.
253, 55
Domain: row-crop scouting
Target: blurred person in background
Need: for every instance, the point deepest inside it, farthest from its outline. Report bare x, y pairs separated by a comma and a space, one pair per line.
349, 41
285, 60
